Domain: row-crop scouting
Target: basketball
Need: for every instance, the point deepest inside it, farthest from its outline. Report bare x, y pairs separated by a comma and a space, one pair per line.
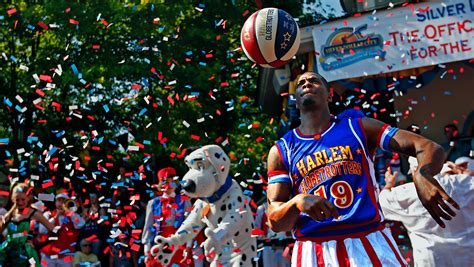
270, 37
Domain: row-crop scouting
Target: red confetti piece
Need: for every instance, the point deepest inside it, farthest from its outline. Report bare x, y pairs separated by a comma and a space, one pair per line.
39, 92
11, 11
47, 184
56, 105
46, 78
43, 25
73, 21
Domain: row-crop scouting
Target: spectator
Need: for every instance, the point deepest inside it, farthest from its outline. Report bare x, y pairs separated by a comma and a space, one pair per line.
273, 243
85, 257
59, 252
92, 230
17, 249
432, 244
162, 219
120, 253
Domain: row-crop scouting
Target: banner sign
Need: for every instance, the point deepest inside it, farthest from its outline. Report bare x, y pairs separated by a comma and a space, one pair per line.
406, 37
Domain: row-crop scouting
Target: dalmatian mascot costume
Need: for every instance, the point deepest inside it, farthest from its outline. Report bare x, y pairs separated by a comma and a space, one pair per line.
220, 207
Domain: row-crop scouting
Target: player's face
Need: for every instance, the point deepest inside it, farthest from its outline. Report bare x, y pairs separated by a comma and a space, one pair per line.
311, 91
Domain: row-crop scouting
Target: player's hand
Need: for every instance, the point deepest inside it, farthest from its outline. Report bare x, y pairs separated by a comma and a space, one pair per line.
434, 198
317, 207
390, 178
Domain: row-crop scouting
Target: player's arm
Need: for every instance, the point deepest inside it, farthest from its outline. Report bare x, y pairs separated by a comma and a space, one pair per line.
430, 156
283, 210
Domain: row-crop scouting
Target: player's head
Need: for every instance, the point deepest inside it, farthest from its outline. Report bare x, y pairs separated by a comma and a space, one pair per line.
312, 90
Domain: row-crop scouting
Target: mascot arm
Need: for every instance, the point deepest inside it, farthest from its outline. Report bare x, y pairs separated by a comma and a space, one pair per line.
185, 233
190, 227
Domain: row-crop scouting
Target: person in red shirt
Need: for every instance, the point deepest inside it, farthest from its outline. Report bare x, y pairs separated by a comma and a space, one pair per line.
164, 215
60, 252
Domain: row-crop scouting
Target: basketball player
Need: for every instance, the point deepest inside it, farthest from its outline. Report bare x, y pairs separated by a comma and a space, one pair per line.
322, 184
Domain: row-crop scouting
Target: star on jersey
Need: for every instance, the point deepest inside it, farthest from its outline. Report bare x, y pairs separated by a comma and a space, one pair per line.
287, 36
283, 45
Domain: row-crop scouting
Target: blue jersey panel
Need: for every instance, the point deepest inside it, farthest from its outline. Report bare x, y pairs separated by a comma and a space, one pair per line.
335, 165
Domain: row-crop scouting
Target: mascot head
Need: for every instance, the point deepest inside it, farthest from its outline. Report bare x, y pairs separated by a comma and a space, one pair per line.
208, 170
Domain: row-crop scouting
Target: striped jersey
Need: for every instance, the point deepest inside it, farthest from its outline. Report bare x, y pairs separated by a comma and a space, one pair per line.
336, 165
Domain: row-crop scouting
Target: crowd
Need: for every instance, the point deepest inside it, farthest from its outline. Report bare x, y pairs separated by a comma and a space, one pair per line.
117, 226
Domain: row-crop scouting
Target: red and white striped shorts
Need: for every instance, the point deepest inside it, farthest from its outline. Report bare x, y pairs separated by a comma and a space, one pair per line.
375, 249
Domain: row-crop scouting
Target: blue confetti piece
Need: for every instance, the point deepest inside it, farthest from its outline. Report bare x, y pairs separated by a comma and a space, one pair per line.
152, 8
7, 102
74, 69
2, 17
189, 53
52, 151
106, 108
146, 142
13, 58
145, 81
203, 64
82, 81
32, 139
447, 93
4, 141
142, 111
30, 27
61, 133
18, 108
201, 5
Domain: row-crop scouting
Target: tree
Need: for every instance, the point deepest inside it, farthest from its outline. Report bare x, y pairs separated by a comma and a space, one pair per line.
93, 85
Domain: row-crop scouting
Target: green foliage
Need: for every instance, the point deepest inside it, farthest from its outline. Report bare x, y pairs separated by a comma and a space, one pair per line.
171, 75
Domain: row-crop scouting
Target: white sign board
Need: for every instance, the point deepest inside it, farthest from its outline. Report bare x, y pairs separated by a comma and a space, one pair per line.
406, 37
